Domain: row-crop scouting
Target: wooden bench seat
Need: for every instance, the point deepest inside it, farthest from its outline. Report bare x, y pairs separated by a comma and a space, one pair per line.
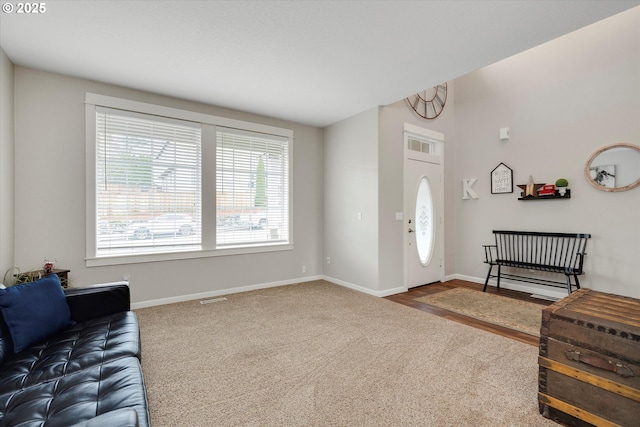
539, 251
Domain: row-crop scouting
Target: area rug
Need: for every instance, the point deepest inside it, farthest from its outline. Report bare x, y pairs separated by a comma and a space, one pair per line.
508, 312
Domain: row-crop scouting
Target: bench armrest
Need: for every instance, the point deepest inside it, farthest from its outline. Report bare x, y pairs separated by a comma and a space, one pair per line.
97, 301
581, 256
489, 251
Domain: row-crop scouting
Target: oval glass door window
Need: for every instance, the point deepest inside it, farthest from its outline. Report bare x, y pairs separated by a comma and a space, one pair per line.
424, 221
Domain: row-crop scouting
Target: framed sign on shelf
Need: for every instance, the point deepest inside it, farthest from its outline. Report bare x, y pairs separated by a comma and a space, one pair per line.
501, 179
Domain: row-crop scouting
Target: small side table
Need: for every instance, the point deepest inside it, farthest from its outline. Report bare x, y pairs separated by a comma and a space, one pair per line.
61, 273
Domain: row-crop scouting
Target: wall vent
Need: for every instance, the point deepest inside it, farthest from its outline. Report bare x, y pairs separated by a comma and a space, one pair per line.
419, 145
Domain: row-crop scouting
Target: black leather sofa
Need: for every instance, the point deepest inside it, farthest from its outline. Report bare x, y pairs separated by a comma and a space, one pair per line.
87, 374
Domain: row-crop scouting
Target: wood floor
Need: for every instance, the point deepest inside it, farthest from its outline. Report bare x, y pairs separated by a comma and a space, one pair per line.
408, 299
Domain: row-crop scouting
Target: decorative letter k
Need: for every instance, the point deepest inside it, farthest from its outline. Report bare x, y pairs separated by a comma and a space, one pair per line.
467, 190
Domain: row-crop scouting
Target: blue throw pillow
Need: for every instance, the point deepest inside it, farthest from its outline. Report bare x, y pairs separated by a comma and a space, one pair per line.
35, 310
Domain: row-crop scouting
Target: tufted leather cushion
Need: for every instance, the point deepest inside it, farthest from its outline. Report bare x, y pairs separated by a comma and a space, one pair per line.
82, 345
80, 396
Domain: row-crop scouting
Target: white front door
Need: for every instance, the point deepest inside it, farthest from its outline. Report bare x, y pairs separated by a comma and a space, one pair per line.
423, 195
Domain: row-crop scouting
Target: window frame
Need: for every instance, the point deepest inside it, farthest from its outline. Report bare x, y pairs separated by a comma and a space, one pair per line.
208, 182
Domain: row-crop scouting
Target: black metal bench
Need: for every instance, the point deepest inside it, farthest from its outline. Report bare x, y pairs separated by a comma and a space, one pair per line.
551, 252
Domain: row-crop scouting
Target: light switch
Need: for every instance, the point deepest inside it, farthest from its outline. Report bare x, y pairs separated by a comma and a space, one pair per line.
399, 216
504, 134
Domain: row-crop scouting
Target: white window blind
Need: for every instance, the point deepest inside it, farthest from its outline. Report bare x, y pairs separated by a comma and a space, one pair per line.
148, 183
252, 188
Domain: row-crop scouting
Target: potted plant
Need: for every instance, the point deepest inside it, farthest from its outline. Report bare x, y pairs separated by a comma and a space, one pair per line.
562, 185
14, 276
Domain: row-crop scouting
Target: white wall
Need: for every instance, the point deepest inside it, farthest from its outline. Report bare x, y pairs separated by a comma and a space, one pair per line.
351, 187
562, 101
6, 164
50, 196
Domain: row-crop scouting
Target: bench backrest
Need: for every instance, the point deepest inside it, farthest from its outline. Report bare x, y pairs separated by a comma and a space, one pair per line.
557, 250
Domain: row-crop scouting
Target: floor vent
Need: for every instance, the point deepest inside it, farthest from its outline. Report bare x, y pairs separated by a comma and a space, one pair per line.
210, 301
545, 297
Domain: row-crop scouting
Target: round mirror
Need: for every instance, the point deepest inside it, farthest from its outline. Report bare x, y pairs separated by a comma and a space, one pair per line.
614, 167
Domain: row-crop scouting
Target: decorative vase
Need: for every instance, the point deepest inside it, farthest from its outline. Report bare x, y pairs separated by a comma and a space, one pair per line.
562, 191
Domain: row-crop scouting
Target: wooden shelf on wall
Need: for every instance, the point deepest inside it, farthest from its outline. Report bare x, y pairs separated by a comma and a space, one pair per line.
567, 195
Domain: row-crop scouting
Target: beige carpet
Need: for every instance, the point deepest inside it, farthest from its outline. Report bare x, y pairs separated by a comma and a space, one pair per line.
521, 316
317, 354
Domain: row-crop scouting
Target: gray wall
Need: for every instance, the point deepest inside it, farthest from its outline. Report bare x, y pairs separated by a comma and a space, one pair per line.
6, 164
364, 173
50, 196
391, 148
562, 101
351, 187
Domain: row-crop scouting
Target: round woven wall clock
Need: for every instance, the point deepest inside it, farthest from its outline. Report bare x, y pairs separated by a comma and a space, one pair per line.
429, 103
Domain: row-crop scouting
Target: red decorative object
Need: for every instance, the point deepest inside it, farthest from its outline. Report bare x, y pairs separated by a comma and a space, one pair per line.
48, 265
547, 190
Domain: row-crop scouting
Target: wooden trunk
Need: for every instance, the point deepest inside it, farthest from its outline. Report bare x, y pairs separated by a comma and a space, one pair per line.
589, 364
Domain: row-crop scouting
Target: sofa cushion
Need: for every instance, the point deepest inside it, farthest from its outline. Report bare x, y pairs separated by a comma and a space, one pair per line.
34, 311
78, 397
81, 345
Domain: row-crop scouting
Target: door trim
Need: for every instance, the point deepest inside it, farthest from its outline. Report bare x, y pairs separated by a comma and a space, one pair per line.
436, 140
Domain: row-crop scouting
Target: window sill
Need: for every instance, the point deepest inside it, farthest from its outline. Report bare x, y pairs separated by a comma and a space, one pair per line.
172, 256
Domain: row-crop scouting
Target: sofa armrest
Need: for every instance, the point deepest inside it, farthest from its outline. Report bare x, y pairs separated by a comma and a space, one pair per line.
96, 301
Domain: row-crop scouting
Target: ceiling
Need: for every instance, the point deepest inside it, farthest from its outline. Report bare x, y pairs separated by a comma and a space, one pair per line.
312, 62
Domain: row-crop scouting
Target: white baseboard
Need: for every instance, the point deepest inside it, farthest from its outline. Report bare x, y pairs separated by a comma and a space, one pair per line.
449, 277
211, 294
384, 293
546, 291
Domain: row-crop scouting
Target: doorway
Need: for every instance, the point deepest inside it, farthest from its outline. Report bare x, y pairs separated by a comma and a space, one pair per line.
423, 206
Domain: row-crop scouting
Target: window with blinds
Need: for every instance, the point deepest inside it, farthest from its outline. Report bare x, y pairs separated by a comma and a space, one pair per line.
148, 183
167, 184
252, 188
